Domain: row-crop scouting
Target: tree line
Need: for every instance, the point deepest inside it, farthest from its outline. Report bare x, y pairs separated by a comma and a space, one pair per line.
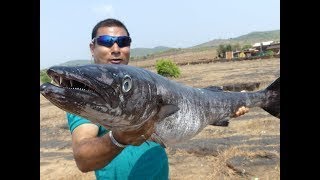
223, 48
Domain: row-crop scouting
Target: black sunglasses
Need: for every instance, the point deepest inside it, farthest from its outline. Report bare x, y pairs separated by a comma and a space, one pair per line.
108, 41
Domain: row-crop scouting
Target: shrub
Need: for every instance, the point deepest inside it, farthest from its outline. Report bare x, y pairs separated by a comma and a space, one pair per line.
167, 68
44, 77
269, 53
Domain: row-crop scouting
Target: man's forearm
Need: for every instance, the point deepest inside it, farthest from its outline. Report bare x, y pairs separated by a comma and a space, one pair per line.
94, 153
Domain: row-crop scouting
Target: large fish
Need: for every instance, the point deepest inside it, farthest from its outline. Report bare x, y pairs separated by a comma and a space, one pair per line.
125, 97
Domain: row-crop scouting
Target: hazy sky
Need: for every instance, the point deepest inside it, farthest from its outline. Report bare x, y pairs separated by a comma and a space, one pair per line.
66, 25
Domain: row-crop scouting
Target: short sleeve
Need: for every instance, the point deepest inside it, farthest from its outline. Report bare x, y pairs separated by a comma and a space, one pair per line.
74, 121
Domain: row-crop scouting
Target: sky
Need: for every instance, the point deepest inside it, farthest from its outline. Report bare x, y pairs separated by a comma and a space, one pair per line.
66, 25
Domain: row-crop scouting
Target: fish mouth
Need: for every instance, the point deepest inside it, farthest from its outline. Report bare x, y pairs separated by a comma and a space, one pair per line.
73, 93
71, 83
66, 84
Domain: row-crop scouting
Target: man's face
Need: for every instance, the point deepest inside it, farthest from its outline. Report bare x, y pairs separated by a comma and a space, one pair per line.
113, 54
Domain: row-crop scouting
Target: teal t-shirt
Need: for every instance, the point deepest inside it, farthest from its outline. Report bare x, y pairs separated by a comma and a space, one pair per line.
147, 161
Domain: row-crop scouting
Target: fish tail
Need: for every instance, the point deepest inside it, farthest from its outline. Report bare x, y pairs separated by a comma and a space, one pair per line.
272, 104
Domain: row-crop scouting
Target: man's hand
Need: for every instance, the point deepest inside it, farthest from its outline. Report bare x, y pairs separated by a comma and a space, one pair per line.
84, 137
135, 137
241, 111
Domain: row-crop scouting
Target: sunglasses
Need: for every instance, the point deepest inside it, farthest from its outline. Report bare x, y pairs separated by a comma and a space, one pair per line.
108, 41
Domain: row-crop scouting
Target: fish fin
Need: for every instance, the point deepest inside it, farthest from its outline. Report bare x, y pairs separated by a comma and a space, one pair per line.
167, 110
272, 104
223, 122
214, 88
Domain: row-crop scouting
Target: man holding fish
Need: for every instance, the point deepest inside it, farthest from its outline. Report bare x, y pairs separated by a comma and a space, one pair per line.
129, 154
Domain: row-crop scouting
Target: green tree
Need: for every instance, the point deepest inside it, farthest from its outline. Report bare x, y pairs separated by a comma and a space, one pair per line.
269, 53
228, 47
44, 77
246, 46
167, 68
221, 51
236, 47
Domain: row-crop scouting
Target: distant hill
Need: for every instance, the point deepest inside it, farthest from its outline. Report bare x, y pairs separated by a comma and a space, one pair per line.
138, 52
250, 38
76, 63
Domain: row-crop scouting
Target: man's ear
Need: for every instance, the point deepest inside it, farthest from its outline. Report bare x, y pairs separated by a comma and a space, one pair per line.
91, 45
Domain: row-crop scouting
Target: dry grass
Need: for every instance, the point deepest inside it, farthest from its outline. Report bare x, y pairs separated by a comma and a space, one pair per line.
221, 162
184, 165
177, 58
223, 73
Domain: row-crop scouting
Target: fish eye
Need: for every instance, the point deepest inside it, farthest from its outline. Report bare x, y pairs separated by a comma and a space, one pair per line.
126, 83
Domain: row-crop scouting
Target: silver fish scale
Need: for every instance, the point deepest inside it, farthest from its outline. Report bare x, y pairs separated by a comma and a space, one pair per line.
198, 108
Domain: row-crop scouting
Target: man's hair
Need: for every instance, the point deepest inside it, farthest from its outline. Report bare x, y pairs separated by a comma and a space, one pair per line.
108, 23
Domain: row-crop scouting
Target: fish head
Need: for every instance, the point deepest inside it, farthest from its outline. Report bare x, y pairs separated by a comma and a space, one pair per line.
115, 96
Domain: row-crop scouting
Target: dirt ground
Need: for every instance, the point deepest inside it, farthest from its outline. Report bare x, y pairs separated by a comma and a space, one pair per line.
249, 148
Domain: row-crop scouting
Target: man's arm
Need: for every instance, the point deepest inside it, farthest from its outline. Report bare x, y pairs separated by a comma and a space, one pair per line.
92, 152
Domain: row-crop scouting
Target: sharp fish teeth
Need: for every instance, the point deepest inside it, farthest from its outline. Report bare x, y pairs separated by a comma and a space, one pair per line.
61, 80
71, 83
56, 81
